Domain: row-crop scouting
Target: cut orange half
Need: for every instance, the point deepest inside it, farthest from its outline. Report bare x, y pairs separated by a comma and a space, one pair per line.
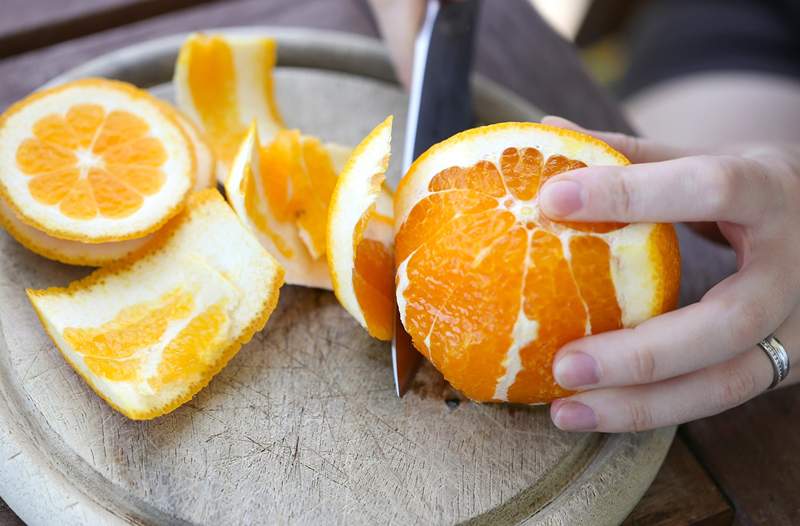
150, 332
224, 83
489, 288
360, 235
281, 192
93, 160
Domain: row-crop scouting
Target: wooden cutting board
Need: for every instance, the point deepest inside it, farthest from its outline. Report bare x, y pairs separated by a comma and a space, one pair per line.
303, 426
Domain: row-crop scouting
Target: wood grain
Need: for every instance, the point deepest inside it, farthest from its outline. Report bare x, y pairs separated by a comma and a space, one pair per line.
752, 453
682, 493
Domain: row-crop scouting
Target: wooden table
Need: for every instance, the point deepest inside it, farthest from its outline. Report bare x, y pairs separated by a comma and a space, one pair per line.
735, 467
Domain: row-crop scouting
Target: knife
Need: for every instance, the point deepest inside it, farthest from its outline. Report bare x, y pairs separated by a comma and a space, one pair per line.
439, 106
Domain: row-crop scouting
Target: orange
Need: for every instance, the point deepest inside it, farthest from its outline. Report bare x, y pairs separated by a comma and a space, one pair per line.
149, 332
489, 288
93, 160
360, 235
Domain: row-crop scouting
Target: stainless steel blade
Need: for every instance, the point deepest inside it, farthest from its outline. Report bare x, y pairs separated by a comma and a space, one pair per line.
439, 106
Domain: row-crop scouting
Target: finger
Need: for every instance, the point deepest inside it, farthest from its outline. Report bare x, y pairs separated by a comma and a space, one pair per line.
689, 397
700, 188
732, 317
399, 22
637, 149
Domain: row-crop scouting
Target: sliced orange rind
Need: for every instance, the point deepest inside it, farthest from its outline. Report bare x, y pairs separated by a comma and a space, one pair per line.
63, 250
93, 160
261, 195
149, 332
489, 288
224, 83
360, 235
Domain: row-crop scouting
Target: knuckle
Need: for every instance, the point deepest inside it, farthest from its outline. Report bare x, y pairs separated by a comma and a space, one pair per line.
747, 321
623, 201
722, 187
738, 385
640, 416
643, 366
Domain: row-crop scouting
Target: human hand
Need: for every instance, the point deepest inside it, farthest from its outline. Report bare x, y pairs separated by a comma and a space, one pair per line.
701, 359
399, 22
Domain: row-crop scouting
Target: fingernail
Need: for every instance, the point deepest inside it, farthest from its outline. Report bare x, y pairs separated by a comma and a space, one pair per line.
561, 198
573, 416
576, 369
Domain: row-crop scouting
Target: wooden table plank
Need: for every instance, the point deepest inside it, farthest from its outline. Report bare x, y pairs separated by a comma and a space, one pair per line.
33, 24
682, 493
7, 517
751, 452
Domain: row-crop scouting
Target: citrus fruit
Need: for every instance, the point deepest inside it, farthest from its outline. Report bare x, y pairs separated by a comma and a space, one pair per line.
488, 288
360, 235
64, 250
281, 192
93, 160
224, 83
149, 332
205, 163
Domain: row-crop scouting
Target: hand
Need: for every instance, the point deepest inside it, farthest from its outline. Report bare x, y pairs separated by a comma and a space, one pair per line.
399, 22
701, 359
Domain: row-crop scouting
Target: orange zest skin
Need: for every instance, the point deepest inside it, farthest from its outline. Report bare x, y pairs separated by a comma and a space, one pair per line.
124, 170
484, 277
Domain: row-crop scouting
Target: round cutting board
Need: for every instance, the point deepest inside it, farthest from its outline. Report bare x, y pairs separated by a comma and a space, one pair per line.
303, 426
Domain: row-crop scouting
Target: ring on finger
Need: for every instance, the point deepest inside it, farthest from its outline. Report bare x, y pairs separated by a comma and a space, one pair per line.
778, 357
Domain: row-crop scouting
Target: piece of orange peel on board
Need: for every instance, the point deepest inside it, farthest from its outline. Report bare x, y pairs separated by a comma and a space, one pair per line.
149, 332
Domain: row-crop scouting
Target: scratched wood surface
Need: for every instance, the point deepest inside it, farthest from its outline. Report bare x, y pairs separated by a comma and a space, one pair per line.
303, 425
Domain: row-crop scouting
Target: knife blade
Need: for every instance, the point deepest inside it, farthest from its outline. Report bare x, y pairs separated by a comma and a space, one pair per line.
440, 105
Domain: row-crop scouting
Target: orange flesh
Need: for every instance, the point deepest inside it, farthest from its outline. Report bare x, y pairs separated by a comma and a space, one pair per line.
89, 162
117, 349
299, 175
476, 268
212, 82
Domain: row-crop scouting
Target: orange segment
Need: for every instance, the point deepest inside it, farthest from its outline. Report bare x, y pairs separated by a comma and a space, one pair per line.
35, 156
373, 281
84, 120
553, 301
52, 188
488, 288
591, 267
79, 202
522, 171
114, 198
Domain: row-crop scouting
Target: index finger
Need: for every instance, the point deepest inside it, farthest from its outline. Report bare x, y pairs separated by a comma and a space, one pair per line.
698, 188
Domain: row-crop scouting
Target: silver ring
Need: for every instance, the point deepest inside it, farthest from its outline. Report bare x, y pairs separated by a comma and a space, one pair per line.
778, 356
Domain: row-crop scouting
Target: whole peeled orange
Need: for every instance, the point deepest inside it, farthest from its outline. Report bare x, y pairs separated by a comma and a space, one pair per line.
489, 288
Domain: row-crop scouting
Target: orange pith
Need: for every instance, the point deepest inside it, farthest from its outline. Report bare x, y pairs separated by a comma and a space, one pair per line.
88, 161
483, 276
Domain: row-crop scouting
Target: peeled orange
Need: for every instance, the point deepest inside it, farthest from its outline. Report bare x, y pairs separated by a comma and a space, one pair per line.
93, 160
360, 235
489, 288
149, 332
